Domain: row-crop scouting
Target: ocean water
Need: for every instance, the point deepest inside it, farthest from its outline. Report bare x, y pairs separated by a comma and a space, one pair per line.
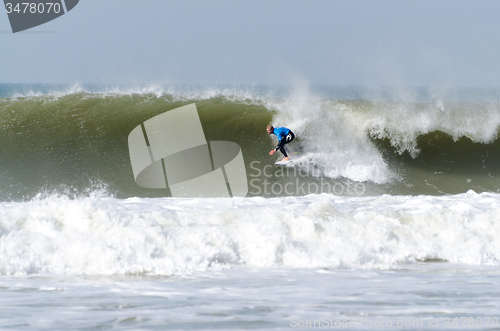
388, 220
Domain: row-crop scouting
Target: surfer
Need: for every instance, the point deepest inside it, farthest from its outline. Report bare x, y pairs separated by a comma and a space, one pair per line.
285, 136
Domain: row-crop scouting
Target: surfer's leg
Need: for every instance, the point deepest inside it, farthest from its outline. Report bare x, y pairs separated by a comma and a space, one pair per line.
289, 138
282, 150
280, 147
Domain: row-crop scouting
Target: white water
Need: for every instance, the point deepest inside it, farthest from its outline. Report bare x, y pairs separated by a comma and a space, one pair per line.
336, 135
330, 139
106, 236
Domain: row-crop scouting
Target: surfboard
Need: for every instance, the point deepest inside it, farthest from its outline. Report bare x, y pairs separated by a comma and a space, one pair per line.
283, 162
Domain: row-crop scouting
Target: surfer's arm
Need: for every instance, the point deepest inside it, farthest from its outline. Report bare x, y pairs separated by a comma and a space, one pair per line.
276, 149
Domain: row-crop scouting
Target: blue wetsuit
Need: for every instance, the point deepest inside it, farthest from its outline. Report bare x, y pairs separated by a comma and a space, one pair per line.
285, 136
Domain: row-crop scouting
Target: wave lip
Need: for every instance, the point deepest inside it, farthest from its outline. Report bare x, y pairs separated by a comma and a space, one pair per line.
105, 236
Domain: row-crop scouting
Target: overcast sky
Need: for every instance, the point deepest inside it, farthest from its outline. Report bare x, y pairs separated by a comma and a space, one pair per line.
338, 43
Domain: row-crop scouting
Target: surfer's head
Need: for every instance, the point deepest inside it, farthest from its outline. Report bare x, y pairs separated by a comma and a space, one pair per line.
270, 129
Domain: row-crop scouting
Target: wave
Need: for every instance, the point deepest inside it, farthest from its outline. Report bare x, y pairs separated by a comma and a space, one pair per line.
75, 139
105, 236
176, 93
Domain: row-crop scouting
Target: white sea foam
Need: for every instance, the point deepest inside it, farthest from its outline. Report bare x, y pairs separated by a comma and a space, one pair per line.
337, 135
330, 138
104, 236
